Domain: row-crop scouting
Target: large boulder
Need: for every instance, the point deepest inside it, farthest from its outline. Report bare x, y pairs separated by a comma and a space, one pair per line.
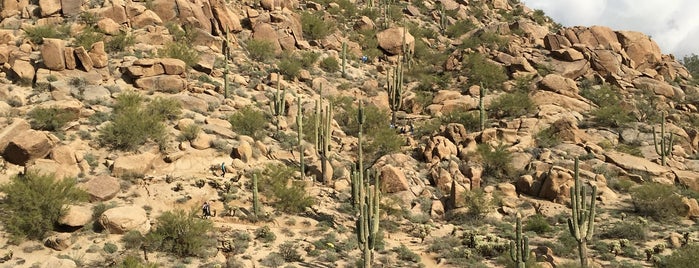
49, 7
52, 52
120, 220
391, 40
24, 70
28, 145
71, 7
243, 151
59, 241
439, 148
637, 165
555, 185
162, 83
76, 216
133, 165
228, 21
640, 48
393, 180
173, 66
8, 133
102, 188
50, 167
98, 55
55, 262
560, 85
265, 32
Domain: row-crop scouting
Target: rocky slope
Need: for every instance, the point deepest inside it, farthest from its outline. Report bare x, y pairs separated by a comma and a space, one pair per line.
431, 181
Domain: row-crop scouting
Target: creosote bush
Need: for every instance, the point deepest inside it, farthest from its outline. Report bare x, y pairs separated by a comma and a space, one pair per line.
496, 161
183, 233
249, 121
659, 201
119, 42
511, 105
33, 203
87, 38
314, 27
330, 64
37, 34
180, 50
189, 133
481, 70
260, 50
284, 196
50, 119
133, 123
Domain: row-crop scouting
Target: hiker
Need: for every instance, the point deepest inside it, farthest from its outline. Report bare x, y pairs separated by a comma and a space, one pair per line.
223, 169
206, 210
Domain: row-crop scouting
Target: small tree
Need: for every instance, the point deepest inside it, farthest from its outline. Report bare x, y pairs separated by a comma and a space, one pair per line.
33, 203
182, 233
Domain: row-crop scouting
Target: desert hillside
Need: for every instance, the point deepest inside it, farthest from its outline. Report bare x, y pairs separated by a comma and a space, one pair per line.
346, 133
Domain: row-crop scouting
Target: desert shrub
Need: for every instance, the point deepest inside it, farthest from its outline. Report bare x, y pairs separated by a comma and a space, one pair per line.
470, 119
308, 59
479, 203
612, 116
265, 234
249, 121
290, 198
405, 254
289, 251
330, 64
290, 66
659, 201
272, 260
683, 257
547, 138
483, 71
119, 42
110, 248
537, 224
379, 138
692, 63
625, 230
87, 37
183, 233
180, 50
490, 40
50, 119
37, 34
132, 261
33, 203
133, 124
241, 242
459, 28
260, 50
511, 105
189, 133
314, 27
496, 161
612, 111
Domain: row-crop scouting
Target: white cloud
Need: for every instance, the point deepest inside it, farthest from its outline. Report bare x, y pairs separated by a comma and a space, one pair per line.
673, 24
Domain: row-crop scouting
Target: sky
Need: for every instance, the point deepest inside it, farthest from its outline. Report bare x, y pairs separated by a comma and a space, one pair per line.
673, 24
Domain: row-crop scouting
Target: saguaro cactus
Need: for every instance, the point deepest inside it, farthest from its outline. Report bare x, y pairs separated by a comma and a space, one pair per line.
368, 220
227, 57
582, 221
255, 197
299, 126
442, 18
519, 249
279, 104
663, 147
481, 107
324, 134
395, 91
344, 58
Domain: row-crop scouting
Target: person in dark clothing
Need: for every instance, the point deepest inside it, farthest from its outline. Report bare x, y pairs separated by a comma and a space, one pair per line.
206, 210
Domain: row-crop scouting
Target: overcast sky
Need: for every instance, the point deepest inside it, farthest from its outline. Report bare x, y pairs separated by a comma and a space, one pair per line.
673, 24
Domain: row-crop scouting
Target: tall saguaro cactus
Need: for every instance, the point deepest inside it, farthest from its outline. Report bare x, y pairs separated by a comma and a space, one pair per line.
227, 57
255, 197
395, 91
325, 132
299, 126
663, 147
344, 58
582, 221
368, 220
279, 104
519, 249
481, 107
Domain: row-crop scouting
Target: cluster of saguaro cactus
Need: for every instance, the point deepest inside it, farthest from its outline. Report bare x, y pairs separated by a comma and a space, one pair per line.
481, 107
519, 249
279, 103
358, 176
255, 198
663, 147
299, 129
227, 56
394, 82
344, 58
582, 221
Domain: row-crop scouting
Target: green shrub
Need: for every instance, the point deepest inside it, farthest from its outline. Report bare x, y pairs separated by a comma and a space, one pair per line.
547, 138
659, 201
50, 119
483, 71
180, 50
479, 203
37, 34
486, 39
33, 203
132, 261
459, 28
330, 64
119, 42
470, 119
314, 27
308, 59
511, 105
612, 111
110, 248
183, 233
405, 254
249, 121
260, 50
133, 124
290, 66
274, 184
612, 116
189, 133
87, 37
626, 230
289, 251
683, 257
537, 224
265, 234
497, 161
